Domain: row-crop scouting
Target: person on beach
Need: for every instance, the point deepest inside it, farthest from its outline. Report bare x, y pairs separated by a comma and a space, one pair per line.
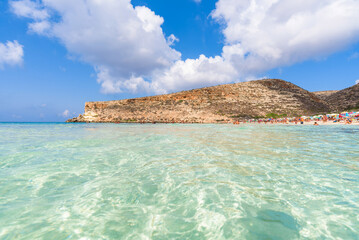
316, 124
348, 121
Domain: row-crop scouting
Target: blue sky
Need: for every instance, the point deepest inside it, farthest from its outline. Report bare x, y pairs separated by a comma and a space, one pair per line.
57, 55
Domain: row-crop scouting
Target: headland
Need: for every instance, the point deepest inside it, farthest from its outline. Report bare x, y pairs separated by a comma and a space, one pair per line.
223, 104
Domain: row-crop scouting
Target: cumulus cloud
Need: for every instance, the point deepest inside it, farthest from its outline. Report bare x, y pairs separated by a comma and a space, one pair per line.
130, 52
275, 33
357, 81
11, 53
194, 73
29, 9
122, 42
40, 27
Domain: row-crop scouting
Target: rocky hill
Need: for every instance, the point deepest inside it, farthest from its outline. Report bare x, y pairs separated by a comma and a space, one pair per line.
221, 103
345, 99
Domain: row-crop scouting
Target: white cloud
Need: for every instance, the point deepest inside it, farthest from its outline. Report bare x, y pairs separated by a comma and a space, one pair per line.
130, 52
29, 9
357, 81
11, 53
41, 27
194, 73
275, 33
121, 41
66, 113
264, 34
171, 39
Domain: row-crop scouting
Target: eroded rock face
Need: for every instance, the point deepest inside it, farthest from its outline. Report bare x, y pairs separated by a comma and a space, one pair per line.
217, 104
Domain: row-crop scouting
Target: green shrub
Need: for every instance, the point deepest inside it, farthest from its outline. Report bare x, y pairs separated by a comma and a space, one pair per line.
274, 115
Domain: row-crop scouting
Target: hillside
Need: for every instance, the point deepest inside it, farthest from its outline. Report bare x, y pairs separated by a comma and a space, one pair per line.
209, 105
324, 94
345, 99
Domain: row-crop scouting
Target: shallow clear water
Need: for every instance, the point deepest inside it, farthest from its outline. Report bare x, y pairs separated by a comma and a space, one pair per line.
129, 181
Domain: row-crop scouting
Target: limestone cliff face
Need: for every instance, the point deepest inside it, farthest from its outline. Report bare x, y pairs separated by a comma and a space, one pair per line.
216, 104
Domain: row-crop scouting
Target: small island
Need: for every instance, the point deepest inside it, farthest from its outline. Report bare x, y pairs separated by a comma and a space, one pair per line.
223, 104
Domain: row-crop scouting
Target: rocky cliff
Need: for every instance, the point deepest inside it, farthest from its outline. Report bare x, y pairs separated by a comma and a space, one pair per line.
221, 103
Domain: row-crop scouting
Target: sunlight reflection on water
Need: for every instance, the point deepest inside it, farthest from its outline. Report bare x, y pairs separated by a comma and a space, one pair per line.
128, 181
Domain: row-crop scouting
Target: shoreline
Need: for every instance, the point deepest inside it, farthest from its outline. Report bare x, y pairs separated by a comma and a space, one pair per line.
306, 123
320, 123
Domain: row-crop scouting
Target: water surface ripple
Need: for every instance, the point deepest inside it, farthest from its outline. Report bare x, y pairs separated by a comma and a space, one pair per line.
129, 181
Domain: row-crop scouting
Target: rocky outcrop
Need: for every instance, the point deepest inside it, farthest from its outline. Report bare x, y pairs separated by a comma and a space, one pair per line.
216, 104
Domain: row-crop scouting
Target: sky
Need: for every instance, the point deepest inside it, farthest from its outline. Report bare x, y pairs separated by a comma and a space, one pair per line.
55, 55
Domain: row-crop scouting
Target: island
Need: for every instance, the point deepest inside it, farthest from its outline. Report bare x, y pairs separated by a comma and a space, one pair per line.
222, 103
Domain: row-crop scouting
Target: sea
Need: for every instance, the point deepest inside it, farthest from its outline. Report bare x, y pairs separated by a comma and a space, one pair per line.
178, 181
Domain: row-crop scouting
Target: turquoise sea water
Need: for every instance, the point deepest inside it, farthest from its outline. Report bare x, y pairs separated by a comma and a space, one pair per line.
129, 181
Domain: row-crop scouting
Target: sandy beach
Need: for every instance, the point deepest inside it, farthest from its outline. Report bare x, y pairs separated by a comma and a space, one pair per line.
327, 123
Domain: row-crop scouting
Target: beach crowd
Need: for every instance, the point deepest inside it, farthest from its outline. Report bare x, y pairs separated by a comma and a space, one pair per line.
339, 118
